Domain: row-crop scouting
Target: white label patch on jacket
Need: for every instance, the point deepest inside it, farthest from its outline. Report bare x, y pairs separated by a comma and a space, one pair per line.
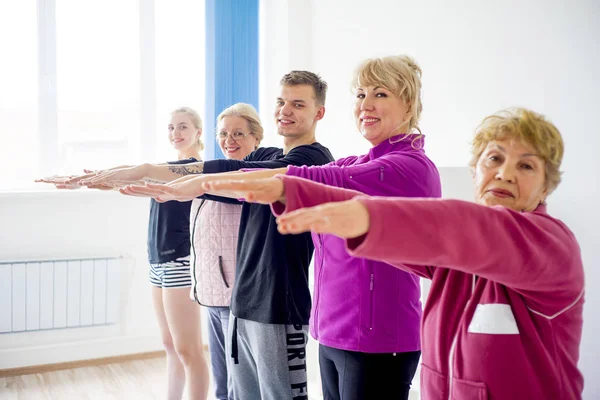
495, 319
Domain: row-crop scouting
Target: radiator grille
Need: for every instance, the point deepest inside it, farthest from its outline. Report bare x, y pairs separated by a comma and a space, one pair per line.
55, 294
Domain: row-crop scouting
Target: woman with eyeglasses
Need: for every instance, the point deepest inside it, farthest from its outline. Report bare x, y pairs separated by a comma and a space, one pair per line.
214, 231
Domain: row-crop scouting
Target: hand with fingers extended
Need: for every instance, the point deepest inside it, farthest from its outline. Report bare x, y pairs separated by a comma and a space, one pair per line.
265, 191
182, 189
114, 177
60, 182
72, 182
346, 219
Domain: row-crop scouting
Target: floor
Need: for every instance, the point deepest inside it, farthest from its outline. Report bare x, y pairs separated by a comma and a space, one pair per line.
140, 379
131, 380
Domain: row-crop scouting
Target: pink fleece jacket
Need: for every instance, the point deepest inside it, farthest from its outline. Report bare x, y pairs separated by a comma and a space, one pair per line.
504, 315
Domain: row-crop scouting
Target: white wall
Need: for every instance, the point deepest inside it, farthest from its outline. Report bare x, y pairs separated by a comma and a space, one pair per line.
59, 225
285, 36
477, 57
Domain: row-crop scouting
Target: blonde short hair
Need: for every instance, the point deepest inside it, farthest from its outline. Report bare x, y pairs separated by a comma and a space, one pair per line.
196, 120
246, 111
401, 75
530, 127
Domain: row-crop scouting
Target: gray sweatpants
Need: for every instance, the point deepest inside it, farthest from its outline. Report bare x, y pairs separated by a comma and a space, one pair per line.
271, 360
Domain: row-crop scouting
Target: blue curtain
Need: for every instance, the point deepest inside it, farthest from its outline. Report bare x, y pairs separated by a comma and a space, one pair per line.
231, 61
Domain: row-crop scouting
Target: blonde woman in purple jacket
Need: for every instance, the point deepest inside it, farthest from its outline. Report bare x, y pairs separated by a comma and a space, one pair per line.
366, 314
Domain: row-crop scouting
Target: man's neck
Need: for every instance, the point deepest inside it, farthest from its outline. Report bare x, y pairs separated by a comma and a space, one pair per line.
292, 142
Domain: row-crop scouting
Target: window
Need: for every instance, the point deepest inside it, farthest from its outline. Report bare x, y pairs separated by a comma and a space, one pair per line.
18, 94
179, 67
98, 83
92, 83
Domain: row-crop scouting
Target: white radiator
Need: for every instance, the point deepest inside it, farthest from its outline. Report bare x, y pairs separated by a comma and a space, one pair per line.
55, 294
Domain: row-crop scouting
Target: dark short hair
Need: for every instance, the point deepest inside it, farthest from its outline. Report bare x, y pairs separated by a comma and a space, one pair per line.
294, 78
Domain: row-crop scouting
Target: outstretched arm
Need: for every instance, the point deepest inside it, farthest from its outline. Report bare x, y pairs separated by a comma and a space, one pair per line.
278, 190
348, 219
143, 172
530, 252
190, 187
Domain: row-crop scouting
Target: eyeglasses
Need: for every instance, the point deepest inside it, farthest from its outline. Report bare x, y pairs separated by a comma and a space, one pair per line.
237, 136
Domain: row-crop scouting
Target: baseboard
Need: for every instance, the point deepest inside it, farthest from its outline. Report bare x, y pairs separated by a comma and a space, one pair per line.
38, 369
72, 349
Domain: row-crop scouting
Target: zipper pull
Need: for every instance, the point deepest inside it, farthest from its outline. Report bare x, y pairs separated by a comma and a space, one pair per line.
371, 285
381, 174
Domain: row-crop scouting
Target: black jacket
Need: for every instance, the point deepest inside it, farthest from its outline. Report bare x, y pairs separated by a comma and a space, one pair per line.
271, 282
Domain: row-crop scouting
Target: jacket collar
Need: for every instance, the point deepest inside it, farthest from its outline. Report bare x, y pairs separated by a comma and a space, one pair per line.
402, 142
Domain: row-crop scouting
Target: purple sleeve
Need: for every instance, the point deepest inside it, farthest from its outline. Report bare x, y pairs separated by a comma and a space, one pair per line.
395, 174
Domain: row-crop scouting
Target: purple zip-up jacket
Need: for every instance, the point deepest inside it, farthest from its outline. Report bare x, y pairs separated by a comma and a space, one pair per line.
359, 304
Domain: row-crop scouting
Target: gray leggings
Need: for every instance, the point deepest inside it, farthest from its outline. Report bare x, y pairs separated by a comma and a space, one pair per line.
218, 322
271, 360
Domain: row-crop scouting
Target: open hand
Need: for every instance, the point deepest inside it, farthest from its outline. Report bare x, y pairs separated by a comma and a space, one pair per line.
182, 189
60, 182
265, 191
346, 219
115, 177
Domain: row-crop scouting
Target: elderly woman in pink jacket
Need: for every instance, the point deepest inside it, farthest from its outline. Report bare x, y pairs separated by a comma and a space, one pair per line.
214, 231
504, 314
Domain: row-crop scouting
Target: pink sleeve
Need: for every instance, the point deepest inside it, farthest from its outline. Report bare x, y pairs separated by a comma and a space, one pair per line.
302, 193
530, 252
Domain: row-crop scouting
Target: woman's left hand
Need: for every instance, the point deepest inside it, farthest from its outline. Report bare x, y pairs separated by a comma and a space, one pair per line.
64, 182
